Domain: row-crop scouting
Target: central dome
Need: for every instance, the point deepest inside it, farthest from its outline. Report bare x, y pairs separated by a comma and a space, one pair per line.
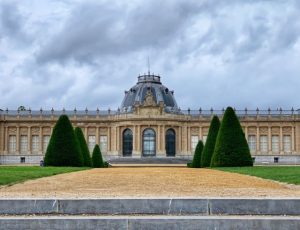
149, 84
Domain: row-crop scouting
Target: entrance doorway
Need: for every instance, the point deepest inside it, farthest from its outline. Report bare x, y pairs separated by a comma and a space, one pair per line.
170, 143
127, 142
149, 142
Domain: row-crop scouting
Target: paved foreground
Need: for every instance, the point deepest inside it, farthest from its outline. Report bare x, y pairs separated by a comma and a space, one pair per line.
149, 182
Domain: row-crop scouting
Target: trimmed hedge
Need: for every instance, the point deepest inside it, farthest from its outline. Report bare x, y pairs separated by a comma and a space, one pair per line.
210, 142
231, 146
83, 146
196, 163
97, 158
63, 148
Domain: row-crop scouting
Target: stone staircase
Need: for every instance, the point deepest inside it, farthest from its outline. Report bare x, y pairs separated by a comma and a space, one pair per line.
149, 160
150, 214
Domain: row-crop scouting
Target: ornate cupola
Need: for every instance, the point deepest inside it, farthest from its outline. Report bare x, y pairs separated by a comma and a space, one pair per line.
149, 91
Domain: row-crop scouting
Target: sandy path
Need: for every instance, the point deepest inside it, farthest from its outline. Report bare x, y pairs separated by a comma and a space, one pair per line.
149, 182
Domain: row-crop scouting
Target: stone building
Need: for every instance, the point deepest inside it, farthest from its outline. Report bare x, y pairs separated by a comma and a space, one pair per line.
149, 123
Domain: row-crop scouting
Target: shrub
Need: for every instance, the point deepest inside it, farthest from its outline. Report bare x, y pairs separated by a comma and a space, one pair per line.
210, 142
84, 148
196, 163
97, 158
63, 148
231, 146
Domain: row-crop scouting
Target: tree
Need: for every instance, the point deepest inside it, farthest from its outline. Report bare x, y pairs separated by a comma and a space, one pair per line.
196, 163
231, 145
97, 158
63, 148
210, 142
83, 147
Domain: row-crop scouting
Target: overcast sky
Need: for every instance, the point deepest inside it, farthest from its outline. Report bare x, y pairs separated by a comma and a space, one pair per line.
212, 53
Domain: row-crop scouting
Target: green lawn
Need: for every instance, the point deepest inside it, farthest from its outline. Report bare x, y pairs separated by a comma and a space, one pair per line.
287, 174
15, 174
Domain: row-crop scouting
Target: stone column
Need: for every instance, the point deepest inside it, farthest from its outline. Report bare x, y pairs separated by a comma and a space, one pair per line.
97, 135
5, 139
163, 141
257, 140
246, 133
108, 139
179, 141
188, 139
18, 140
86, 133
117, 140
281, 141
158, 147
41, 140
200, 133
293, 139
29, 140
269, 140
139, 150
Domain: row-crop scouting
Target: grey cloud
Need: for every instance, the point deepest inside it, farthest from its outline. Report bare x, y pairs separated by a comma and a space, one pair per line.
12, 23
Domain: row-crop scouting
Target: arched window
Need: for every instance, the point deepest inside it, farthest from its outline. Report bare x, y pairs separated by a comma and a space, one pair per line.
149, 142
170, 142
127, 142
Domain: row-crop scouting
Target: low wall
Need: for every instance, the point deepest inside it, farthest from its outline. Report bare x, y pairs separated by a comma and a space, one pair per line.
151, 206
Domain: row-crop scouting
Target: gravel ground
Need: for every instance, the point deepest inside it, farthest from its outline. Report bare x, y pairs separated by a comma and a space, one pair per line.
132, 182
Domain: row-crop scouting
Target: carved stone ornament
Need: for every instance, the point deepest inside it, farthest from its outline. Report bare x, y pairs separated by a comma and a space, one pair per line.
12, 130
149, 99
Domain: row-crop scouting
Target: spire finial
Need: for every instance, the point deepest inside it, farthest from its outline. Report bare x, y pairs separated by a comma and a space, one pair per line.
148, 65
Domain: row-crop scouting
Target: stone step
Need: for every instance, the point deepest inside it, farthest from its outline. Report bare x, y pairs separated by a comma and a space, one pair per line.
150, 222
167, 206
149, 160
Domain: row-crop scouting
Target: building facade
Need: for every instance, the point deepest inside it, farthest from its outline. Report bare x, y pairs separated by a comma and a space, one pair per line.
149, 123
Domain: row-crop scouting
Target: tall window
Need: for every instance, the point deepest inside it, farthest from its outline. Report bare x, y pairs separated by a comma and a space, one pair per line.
103, 143
35, 143
149, 143
264, 143
170, 142
194, 143
275, 144
287, 143
46, 140
252, 143
23, 144
91, 143
12, 143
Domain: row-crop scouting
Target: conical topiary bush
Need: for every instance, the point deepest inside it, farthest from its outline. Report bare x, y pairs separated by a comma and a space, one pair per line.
83, 146
196, 163
63, 148
210, 142
231, 147
97, 158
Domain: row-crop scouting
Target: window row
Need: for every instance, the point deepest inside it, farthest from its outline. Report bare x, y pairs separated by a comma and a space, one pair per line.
275, 143
35, 143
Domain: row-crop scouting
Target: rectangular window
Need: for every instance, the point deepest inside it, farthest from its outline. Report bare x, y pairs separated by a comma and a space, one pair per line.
46, 140
91, 143
12, 144
204, 139
252, 143
275, 144
194, 142
287, 143
103, 143
35, 141
264, 143
23, 144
